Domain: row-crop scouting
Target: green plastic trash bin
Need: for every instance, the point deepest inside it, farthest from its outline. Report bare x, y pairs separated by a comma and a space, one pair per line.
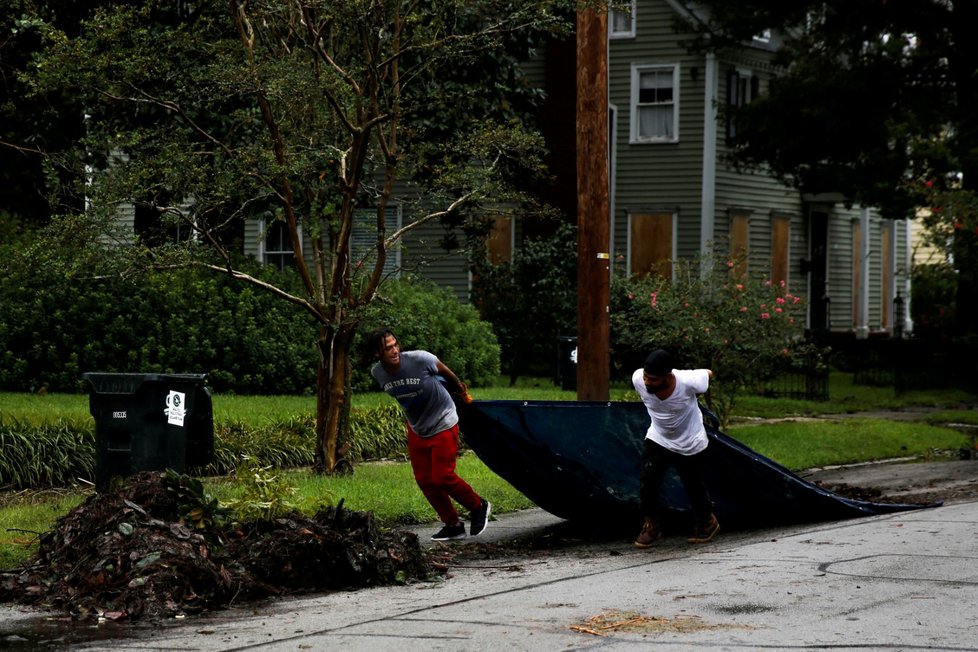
149, 422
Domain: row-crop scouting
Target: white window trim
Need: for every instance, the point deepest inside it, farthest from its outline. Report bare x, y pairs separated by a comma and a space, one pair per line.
622, 34
637, 70
748, 96
262, 250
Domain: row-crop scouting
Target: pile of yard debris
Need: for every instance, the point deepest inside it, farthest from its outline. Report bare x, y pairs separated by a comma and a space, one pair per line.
137, 553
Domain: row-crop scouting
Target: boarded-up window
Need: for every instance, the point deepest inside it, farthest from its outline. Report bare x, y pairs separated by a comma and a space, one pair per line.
650, 248
739, 240
499, 243
780, 233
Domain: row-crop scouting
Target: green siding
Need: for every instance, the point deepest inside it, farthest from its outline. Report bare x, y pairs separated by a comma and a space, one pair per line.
669, 176
657, 176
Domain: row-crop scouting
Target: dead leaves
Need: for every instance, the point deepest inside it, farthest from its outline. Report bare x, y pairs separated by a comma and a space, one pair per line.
612, 621
130, 552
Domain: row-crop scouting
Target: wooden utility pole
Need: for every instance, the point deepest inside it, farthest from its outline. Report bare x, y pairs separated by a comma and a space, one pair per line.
593, 260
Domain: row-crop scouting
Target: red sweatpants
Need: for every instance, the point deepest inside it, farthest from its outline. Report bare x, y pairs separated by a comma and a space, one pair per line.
433, 462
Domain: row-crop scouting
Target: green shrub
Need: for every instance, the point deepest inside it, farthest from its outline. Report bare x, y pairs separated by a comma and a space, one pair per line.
933, 305
377, 433
283, 444
745, 328
66, 314
61, 453
58, 324
47, 454
425, 316
265, 495
531, 301
196, 508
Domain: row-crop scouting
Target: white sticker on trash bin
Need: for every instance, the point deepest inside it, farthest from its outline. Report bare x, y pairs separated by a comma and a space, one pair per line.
175, 410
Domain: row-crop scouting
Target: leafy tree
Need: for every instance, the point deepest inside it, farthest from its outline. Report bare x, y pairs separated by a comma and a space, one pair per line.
531, 300
874, 100
302, 113
932, 300
746, 329
31, 186
425, 315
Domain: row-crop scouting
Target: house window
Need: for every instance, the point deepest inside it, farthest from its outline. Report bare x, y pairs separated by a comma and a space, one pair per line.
650, 243
364, 239
621, 19
155, 230
654, 100
277, 246
742, 88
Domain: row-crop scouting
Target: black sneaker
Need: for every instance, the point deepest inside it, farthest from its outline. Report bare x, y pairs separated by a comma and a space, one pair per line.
450, 532
480, 518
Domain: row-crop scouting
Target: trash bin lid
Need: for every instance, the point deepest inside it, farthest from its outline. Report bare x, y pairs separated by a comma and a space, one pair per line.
129, 383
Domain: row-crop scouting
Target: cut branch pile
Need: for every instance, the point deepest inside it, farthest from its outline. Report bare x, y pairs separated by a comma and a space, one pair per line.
129, 554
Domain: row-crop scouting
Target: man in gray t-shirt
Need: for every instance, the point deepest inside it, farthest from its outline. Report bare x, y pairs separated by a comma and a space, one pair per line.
426, 403
423, 387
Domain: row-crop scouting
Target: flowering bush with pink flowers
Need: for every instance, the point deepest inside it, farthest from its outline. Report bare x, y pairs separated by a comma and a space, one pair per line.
747, 329
942, 303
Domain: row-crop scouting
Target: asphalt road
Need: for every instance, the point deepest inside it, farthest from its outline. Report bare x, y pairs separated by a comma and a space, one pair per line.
906, 581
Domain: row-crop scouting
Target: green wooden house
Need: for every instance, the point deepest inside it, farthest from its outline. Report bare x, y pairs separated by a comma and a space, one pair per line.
674, 195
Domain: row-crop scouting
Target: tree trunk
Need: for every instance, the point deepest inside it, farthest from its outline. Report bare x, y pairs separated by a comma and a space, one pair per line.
332, 398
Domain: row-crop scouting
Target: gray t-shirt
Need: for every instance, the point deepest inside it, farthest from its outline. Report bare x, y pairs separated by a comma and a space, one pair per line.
426, 403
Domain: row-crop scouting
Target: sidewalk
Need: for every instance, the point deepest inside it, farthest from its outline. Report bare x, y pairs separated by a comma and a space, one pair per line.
903, 581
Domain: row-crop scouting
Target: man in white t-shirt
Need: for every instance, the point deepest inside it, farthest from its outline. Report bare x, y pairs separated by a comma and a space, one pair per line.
676, 438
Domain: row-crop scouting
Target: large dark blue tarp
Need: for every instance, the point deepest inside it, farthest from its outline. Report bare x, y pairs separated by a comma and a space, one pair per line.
580, 460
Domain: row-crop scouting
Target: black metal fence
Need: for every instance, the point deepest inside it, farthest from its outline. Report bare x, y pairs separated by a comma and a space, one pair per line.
812, 385
806, 379
905, 363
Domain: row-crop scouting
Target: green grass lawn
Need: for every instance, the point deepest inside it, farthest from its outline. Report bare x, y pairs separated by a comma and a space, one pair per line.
844, 395
388, 489
804, 444
385, 488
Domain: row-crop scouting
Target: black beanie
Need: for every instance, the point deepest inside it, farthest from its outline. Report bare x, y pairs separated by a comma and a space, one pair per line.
659, 363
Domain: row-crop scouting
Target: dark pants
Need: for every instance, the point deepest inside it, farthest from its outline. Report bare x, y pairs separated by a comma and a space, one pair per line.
656, 460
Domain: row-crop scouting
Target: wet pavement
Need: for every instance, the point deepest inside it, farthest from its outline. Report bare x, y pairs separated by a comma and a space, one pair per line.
895, 582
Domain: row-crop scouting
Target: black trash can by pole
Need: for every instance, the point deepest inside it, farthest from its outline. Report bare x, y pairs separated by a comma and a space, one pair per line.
567, 362
149, 422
